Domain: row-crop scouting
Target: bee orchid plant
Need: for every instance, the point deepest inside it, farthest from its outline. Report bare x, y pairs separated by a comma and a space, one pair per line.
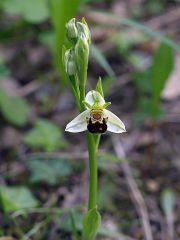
94, 118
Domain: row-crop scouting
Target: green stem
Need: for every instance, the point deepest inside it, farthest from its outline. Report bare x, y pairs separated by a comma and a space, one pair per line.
92, 171
76, 97
97, 140
75, 90
82, 91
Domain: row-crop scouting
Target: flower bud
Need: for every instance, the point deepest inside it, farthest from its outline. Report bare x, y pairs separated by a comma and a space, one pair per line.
83, 29
82, 57
82, 45
72, 32
70, 63
82, 52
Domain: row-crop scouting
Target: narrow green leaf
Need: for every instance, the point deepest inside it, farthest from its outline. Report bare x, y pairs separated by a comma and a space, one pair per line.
73, 226
141, 27
162, 66
99, 87
163, 63
61, 12
168, 201
4, 70
143, 81
91, 223
100, 58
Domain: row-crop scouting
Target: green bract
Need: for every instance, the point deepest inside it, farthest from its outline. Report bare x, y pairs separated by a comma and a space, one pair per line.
70, 63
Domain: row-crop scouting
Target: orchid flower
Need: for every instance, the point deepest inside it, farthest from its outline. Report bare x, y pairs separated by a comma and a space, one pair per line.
96, 118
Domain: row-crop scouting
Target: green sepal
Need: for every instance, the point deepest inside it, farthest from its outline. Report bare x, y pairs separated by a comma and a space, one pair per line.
99, 87
87, 104
106, 104
89, 33
91, 224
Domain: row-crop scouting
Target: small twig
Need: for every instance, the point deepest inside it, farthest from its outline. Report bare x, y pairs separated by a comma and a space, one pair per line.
136, 194
168, 17
122, 237
35, 229
156, 23
170, 226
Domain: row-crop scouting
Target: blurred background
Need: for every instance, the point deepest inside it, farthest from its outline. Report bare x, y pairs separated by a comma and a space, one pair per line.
43, 170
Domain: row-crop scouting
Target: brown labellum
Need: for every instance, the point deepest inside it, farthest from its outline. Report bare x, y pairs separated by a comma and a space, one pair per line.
97, 126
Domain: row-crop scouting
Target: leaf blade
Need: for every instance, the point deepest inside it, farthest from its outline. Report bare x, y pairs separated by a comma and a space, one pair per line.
16, 198
91, 224
14, 109
163, 63
100, 58
141, 27
61, 12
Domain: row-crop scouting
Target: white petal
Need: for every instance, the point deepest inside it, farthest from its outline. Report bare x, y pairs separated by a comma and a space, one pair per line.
90, 96
78, 124
114, 124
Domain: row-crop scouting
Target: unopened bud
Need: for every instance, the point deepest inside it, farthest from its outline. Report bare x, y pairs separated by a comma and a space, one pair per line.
72, 32
83, 29
82, 49
82, 57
